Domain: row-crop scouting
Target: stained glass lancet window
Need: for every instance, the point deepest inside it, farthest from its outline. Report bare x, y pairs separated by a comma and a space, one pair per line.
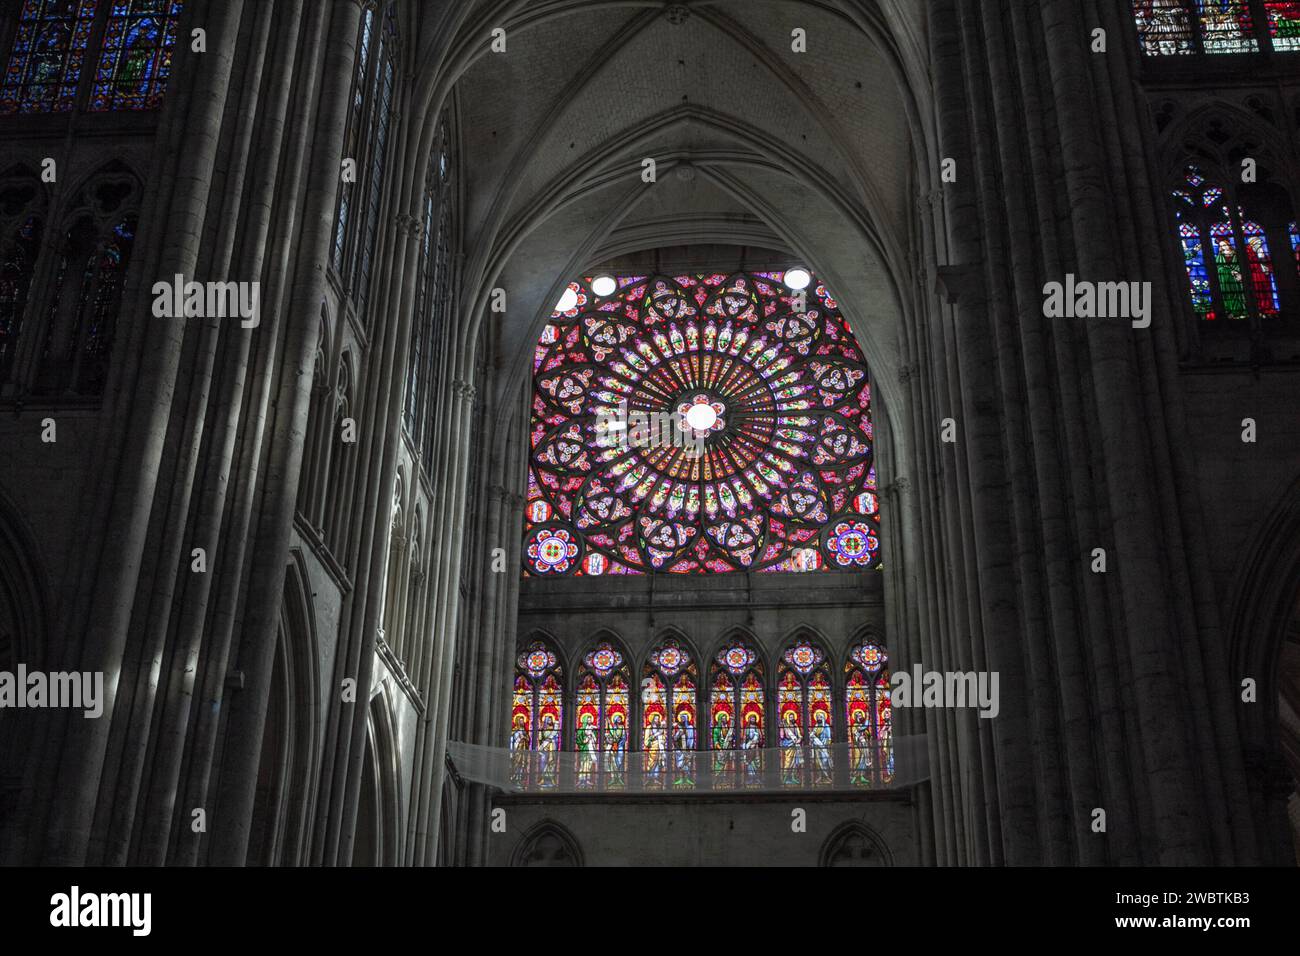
700, 423
868, 714
17, 265
669, 717
537, 717
601, 709
805, 716
136, 57
1284, 24
1211, 26
1163, 26
89, 280
48, 52
736, 716
1226, 255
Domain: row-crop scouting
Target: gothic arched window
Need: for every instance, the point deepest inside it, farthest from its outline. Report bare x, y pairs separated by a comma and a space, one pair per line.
537, 716
18, 252
737, 715
433, 293
868, 714
670, 719
1226, 253
48, 52
805, 716
1284, 23
82, 317
356, 222
1197, 26
700, 424
601, 717
136, 57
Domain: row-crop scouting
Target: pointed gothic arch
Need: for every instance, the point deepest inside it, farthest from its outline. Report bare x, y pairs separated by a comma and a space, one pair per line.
854, 844
547, 843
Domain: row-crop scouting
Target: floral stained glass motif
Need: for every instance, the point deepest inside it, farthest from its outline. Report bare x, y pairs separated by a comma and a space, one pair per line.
537, 716
669, 717
49, 50
764, 461
136, 58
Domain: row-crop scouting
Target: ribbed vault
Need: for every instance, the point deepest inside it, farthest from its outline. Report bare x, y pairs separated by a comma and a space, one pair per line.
814, 156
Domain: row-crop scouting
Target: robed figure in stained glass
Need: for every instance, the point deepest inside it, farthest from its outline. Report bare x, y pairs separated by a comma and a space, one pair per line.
616, 750
820, 738
656, 741
548, 748
860, 749
683, 744
585, 740
752, 744
791, 749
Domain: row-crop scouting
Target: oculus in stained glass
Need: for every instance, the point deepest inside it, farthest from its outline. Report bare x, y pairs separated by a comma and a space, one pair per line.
773, 389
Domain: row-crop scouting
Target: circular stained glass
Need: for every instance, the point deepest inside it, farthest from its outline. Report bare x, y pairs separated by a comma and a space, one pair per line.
700, 423
853, 543
537, 660
737, 658
551, 550
603, 659
670, 659
803, 657
871, 657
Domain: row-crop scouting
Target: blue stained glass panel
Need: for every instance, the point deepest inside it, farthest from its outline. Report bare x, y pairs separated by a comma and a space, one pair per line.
46, 59
136, 57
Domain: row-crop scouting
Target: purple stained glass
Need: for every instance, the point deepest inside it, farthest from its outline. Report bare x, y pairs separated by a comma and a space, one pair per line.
700, 424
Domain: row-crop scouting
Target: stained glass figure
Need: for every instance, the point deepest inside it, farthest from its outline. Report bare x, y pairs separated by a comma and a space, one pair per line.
601, 709
136, 57
1284, 24
1229, 265
47, 56
536, 716
1163, 26
805, 716
867, 714
737, 716
699, 424
669, 717
1226, 26
1262, 284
